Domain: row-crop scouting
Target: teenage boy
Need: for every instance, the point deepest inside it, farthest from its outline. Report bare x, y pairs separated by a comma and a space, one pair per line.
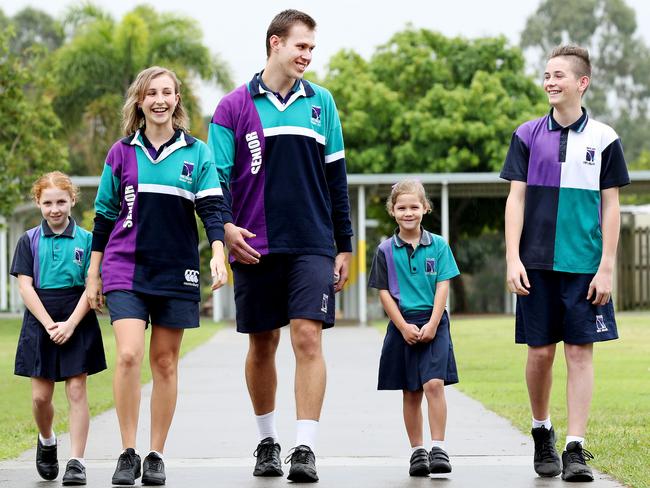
278, 146
562, 226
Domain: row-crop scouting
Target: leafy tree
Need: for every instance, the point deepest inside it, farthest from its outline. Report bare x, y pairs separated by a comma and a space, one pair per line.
102, 57
35, 29
428, 103
619, 93
29, 139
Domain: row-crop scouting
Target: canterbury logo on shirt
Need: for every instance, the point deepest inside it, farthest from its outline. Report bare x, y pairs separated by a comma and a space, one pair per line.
255, 147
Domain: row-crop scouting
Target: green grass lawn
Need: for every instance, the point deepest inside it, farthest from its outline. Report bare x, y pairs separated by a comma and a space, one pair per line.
491, 370
17, 428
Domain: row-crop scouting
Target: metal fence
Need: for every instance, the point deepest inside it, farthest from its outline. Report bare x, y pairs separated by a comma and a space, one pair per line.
634, 269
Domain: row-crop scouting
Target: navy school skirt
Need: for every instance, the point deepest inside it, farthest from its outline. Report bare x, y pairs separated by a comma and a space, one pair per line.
404, 367
38, 356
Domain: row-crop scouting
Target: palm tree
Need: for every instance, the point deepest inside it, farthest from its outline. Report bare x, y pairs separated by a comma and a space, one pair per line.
94, 68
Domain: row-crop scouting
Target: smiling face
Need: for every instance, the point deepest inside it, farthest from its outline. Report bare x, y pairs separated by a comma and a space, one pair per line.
55, 205
562, 85
159, 102
293, 53
408, 211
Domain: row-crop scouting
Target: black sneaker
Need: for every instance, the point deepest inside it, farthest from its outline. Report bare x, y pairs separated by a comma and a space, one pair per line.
439, 461
268, 458
75, 473
153, 470
419, 463
128, 468
574, 463
47, 463
303, 465
546, 460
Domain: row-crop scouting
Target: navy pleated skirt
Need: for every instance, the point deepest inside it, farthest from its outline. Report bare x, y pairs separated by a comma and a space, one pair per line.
38, 356
404, 367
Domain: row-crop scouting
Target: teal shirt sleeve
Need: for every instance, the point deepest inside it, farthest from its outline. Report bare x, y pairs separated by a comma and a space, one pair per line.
221, 141
107, 202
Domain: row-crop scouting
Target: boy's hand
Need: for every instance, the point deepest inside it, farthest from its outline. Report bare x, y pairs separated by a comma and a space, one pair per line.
63, 332
428, 332
341, 270
600, 288
517, 277
411, 334
235, 238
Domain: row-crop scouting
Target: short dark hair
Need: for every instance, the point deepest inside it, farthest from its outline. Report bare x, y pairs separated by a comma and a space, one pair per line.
282, 23
579, 57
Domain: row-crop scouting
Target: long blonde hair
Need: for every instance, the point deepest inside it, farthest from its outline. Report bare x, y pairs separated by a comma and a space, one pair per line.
132, 115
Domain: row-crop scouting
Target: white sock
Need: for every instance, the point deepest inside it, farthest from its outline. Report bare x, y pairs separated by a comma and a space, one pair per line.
82, 461
48, 442
266, 426
573, 438
440, 444
415, 448
542, 423
306, 431
159, 454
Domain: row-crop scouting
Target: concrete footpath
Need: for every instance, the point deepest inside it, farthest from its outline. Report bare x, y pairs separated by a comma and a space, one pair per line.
362, 442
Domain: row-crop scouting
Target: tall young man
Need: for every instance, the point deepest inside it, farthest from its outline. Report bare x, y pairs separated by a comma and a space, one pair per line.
278, 146
562, 227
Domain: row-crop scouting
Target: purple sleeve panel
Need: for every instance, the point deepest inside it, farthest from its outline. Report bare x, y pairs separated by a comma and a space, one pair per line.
118, 265
393, 285
247, 180
544, 165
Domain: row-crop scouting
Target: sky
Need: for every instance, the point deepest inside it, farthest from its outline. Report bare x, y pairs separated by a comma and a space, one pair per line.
236, 29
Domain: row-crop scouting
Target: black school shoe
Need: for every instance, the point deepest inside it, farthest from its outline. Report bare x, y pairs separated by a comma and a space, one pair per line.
47, 463
153, 470
546, 460
75, 473
303, 465
574, 463
419, 464
268, 458
128, 468
439, 461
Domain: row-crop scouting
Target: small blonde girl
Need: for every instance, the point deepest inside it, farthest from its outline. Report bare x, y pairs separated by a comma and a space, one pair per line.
412, 270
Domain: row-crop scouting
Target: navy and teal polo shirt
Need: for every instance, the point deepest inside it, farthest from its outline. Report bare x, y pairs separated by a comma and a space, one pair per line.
282, 168
411, 275
565, 169
145, 223
53, 261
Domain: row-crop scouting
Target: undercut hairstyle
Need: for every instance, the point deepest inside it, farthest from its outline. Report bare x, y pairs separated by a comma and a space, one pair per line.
54, 179
578, 56
282, 23
133, 116
411, 187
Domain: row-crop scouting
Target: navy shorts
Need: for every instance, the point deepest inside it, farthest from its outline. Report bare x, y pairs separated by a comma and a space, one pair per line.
175, 313
404, 367
282, 287
557, 310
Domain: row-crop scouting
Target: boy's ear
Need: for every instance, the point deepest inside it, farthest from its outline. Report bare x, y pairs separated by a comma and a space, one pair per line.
583, 84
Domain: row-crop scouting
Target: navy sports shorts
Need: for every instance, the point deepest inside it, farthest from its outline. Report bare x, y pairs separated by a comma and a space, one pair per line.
282, 287
175, 313
557, 310
404, 367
